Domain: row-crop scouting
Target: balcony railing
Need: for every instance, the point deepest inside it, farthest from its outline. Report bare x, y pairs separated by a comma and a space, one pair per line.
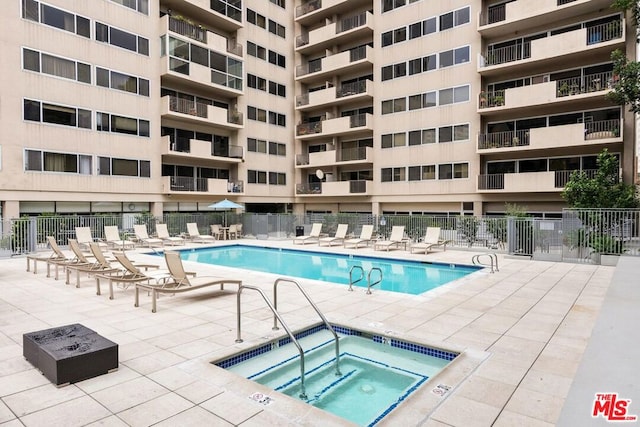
181, 145
359, 186
494, 181
308, 7
357, 120
309, 128
601, 33
233, 47
351, 154
187, 29
357, 53
302, 159
235, 187
188, 183
501, 55
302, 40
236, 151
302, 99
518, 138
602, 129
186, 106
562, 177
491, 99
353, 88
585, 84
234, 117
352, 22
309, 188
495, 14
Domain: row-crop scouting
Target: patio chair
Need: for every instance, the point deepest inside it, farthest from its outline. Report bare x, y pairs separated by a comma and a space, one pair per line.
84, 237
365, 237
100, 266
338, 238
314, 235
112, 237
77, 259
55, 255
143, 236
431, 240
217, 232
131, 273
167, 239
232, 232
179, 281
396, 239
195, 236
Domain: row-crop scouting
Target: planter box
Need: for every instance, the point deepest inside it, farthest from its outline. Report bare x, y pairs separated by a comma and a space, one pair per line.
610, 260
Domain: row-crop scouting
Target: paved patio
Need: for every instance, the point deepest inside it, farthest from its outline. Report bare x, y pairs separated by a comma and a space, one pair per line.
522, 332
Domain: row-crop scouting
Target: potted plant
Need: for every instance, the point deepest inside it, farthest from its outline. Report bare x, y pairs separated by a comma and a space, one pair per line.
498, 100
604, 245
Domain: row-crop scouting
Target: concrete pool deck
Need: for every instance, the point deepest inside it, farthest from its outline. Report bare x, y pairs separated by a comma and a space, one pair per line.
523, 332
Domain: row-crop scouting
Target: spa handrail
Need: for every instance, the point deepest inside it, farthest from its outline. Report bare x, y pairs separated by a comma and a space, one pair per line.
303, 394
315, 307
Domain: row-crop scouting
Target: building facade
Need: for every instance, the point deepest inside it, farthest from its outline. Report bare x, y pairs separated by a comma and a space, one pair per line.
385, 106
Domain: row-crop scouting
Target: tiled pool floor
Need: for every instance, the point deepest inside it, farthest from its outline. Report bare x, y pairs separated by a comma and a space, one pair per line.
523, 329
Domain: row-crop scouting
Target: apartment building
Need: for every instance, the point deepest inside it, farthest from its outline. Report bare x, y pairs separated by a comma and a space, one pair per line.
372, 106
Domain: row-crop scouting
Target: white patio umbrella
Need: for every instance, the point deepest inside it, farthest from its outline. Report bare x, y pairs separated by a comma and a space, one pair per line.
225, 205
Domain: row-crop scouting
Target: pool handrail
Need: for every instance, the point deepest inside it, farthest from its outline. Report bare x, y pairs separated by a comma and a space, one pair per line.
492, 256
351, 282
369, 284
303, 393
315, 307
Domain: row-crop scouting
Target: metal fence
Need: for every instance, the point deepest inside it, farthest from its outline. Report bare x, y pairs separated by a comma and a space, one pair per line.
579, 236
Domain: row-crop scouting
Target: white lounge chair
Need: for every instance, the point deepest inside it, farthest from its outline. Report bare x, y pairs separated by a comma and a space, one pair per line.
341, 233
195, 236
395, 239
84, 237
167, 239
365, 237
143, 236
313, 236
431, 240
112, 237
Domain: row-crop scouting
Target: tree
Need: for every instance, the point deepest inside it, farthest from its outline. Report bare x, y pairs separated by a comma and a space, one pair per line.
626, 81
604, 190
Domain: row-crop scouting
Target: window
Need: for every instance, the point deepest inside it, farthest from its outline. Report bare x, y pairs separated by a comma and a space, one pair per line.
461, 55
399, 174
387, 72
453, 171
445, 134
124, 167
54, 17
43, 161
399, 34
230, 8
276, 29
277, 89
399, 70
56, 114
414, 173
387, 38
446, 58
141, 6
429, 63
415, 66
256, 177
123, 39
123, 82
256, 82
415, 30
256, 145
454, 95
277, 178
106, 122
445, 171
278, 3
277, 149
48, 64
429, 26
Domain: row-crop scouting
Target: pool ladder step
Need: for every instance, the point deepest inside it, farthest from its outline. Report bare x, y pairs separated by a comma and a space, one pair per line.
361, 270
476, 260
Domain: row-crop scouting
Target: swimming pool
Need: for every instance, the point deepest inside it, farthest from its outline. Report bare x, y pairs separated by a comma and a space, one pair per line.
377, 373
410, 277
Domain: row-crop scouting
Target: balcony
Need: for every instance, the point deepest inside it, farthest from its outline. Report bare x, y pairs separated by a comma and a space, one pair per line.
350, 61
557, 50
317, 10
347, 156
199, 113
200, 34
526, 182
338, 33
356, 91
575, 91
193, 149
205, 186
333, 188
196, 77
213, 14
572, 135
507, 18
331, 127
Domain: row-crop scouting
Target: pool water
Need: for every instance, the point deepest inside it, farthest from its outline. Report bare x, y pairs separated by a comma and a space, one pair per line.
377, 373
410, 277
